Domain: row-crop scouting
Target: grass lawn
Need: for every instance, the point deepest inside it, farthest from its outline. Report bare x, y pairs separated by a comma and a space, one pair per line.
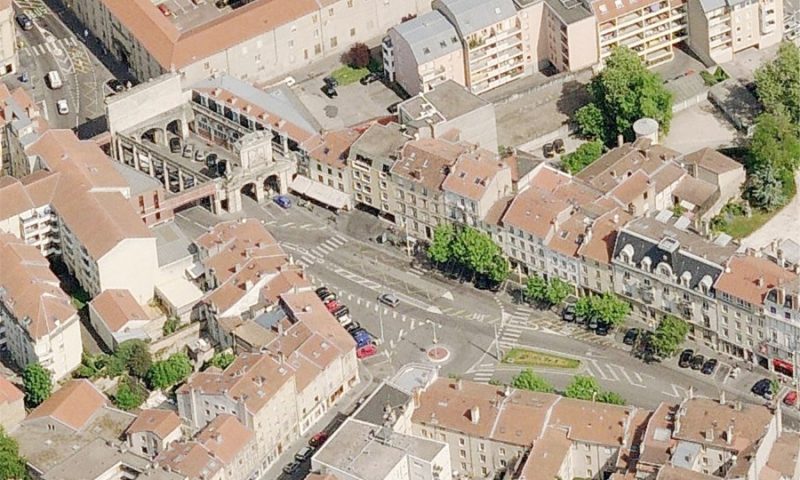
532, 358
346, 75
742, 226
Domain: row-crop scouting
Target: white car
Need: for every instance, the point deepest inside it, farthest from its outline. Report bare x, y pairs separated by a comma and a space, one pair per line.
62, 106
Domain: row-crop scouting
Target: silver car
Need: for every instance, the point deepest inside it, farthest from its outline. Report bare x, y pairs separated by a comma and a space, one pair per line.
389, 299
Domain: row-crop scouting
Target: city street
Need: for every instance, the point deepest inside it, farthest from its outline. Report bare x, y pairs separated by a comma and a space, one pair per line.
52, 46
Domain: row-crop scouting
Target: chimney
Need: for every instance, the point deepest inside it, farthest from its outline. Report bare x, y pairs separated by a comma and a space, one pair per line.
616, 218
710, 434
248, 285
620, 140
281, 358
781, 294
760, 281
729, 434
459, 384
417, 394
474, 414
722, 397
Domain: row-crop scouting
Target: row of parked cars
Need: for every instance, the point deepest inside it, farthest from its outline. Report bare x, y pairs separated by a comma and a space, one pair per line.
570, 315
305, 453
365, 344
696, 361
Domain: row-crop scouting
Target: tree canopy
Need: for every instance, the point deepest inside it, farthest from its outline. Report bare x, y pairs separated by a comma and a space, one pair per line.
764, 189
547, 292
778, 83
669, 336
134, 355
584, 387
166, 373
775, 142
527, 380
441, 248
584, 156
12, 465
471, 248
607, 308
222, 360
130, 393
623, 92
37, 383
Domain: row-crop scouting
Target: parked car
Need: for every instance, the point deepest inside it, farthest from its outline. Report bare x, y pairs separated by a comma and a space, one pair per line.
341, 311
62, 106
175, 145
211, 160
330, 91
791, 398
352, 326
165, 10
291, 468
389, 299
318, 439
558, 145
115, 85
322, 291
362, 337
568, 314
332, 305
548, 151
763, 388
188, 150
330, 82
283, 201
603, 328
580, 318
592, 324
366, 351
710, 366
199, 155
698, 361
369, 78
304, 454
686, 358
630, 336
24, 21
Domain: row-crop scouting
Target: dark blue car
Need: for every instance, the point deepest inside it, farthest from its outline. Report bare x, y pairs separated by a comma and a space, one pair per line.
362, 337
283, 201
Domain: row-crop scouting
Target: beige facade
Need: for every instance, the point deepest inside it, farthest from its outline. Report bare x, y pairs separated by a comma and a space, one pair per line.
720, 29
8, 39
299, 33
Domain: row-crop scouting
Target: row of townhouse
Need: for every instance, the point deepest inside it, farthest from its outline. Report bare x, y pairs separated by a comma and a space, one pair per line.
258, 40
501, 432
485, 44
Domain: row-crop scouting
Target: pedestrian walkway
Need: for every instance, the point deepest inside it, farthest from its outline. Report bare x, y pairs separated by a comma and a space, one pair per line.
48, 48
318, 253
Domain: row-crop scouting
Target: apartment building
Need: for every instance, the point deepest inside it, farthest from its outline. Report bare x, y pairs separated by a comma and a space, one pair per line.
475, 183
665, 269
791, 20
223, 450
371, 158
39, 323
782, 314
21, 122
303, 366
116, 317
720, 29
153, 431
235, 39
329, 176
9, 58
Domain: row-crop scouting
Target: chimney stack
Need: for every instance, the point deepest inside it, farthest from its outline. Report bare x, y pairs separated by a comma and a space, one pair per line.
729, 434
710, 434
620, 140
475, 415
722, 397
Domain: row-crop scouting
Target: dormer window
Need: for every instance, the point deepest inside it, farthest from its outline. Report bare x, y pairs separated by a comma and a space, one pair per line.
626, 254
664, 269
647, 264
686, 277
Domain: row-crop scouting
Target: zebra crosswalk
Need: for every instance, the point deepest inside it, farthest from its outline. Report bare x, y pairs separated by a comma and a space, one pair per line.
51, 47
318, 253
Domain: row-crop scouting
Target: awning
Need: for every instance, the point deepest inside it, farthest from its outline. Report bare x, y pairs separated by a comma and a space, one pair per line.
783, 366
320, 192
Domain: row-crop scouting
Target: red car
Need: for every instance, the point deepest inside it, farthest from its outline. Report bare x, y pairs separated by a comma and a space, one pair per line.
165, 10
366, 351
318, 439
332, 305
790, 398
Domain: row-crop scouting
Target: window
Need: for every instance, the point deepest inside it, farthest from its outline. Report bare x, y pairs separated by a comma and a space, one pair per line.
330, 12
352, 32
462, 453
334, 42
461, 441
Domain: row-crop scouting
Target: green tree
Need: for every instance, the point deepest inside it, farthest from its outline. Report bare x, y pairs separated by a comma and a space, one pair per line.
167, 373
583, 387
557, 291
613, 398
222, 360
527, 380
583, 307
441, 248
12, 465
536, 289
764, 189
609, 308
135, 355
624, 92
591, 122
582, 157
778, 82
37, 383
171, 325
775, 142
478, 252
498, 269
669, 336
130, 393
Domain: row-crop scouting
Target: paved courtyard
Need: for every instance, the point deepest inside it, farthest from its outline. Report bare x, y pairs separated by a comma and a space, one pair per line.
356, 103
716, 130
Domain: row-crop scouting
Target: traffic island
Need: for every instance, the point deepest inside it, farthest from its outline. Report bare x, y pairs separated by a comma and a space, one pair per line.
438, 354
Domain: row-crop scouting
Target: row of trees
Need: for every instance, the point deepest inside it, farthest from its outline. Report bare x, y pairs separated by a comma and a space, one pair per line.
774, 151
547, 293
606, 308
469, 249
582, 387
668, 337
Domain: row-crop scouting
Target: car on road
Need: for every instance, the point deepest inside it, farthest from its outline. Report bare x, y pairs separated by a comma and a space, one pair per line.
304, 454
352, 326
630, 336
291, 468
330, 91
602, 329
763, 388
710, 366
199, 155
330, 82
686, 358
318, 439
175, 145
332, 305
24, 21
370, 78
53, 80
62, 106
568, 314
698, 361
283, 201
188, 150
115, 85
340, 312
389, 299
791, 398
24, 77
366, 351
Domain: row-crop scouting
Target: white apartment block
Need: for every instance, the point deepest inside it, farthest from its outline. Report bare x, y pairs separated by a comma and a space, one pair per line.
232, 40
39, 323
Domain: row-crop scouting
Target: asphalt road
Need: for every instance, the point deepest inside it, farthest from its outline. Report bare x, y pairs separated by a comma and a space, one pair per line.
53, 46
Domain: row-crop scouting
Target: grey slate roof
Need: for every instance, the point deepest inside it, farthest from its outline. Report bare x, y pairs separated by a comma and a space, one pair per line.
450, 100
429, 36
280, 101
386, 398
469, 16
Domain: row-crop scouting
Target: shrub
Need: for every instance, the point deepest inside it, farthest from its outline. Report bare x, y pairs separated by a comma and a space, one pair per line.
357, 56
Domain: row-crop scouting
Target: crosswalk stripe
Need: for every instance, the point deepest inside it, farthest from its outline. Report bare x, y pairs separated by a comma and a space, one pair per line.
341, 238
336, 241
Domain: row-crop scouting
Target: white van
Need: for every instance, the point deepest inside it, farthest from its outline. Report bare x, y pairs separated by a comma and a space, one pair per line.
53, 79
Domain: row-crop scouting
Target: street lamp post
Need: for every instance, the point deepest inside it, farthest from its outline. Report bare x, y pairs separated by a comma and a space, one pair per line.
433, 326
